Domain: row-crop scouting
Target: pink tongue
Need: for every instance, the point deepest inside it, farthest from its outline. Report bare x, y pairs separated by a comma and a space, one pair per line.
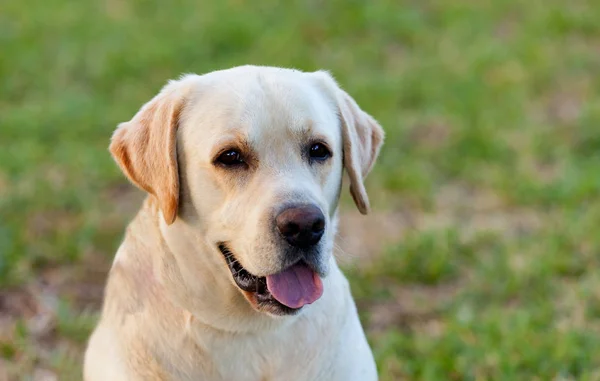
295, 286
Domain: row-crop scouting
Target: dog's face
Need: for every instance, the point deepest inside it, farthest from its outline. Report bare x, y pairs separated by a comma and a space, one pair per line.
253, 158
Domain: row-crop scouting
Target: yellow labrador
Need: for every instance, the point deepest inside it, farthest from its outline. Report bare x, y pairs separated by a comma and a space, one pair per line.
227, 273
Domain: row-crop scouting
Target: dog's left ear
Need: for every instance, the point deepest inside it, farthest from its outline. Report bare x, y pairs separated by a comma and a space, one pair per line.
145, 147
362, 139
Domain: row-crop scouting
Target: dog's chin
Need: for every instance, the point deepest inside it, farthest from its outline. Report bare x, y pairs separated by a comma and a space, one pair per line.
254, 288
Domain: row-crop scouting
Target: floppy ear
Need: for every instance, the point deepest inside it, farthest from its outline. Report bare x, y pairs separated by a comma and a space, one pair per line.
145, 148
362, 139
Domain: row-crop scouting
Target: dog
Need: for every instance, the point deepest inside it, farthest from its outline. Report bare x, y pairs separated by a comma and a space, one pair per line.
227, 271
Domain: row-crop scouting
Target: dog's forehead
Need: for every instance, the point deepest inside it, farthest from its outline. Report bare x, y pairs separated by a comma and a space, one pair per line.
286, 110
260, 103
271, 111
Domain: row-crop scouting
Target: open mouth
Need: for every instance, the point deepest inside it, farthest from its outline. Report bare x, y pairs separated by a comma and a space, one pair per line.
283, 293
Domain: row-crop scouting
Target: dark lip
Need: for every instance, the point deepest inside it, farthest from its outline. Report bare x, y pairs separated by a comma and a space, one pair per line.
253, 284
242, 277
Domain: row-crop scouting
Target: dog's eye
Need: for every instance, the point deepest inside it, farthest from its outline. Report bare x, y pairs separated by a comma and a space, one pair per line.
230, 158
319, 151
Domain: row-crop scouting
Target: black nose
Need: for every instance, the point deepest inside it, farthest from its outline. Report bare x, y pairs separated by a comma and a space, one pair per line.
301, 226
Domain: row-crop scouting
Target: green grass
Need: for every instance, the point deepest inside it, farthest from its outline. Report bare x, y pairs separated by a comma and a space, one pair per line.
491, 110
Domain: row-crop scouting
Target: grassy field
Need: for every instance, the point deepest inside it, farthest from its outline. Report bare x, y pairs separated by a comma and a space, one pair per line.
481, 260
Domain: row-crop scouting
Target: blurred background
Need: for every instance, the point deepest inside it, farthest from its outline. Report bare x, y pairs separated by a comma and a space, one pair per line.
480, 260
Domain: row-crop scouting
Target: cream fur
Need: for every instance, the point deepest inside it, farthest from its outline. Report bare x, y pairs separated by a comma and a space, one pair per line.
172, 310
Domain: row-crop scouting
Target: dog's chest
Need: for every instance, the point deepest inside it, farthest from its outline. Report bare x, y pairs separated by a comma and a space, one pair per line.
296, 354
285, 360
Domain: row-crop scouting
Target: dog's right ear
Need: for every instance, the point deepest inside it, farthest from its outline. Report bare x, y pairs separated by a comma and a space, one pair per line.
146, 147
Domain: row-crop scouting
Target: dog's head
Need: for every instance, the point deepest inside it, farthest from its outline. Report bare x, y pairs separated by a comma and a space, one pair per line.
252, 158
